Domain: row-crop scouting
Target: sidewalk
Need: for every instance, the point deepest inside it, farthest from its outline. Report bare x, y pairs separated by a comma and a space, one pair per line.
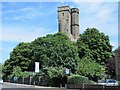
31, 86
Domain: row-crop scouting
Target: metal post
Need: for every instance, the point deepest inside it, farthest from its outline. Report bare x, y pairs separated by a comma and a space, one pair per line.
30, 80
60, 85
83, 86
103, 87
34, 83
23, 80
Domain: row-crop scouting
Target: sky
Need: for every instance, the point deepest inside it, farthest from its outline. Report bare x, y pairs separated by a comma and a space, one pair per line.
26, 21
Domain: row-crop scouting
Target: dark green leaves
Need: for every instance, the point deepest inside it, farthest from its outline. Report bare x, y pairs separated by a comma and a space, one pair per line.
94, 44
51, 51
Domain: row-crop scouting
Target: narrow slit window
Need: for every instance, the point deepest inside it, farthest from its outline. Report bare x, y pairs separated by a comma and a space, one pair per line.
67, 20
63, 14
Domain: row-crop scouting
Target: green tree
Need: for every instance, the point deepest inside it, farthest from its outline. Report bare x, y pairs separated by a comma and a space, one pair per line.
51, 51
94, 44
94, 50
56, 51
16, 72
90, 68
20, 56
7, 67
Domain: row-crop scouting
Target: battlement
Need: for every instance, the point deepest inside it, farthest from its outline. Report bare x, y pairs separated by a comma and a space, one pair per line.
63, 8
68, 21
75, 10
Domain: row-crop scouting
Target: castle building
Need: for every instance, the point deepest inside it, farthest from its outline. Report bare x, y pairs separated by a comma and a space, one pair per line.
68, 21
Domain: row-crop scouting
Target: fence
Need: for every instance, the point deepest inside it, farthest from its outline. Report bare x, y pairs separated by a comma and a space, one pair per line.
92, 87
57, 82
27, 80
37, 80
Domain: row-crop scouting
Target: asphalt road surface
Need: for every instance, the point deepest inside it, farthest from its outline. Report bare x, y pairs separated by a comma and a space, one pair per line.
12, 86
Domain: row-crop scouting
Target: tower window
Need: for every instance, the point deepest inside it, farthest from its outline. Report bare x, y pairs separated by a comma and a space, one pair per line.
63, 14
67, 20
67, 16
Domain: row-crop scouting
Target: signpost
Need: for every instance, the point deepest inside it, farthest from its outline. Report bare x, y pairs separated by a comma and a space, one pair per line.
36, 67
67, 71
36, 70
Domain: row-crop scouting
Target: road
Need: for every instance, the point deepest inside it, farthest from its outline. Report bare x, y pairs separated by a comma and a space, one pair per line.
12, 86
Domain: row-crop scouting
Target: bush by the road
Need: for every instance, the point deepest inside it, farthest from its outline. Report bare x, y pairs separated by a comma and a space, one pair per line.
78, 79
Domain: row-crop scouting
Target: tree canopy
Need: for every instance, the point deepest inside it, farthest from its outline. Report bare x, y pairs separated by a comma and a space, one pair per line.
94, 44
51, 51
91, 69
88, 55
21, 56
56, 51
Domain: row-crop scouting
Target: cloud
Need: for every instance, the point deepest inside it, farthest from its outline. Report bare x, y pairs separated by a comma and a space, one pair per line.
27, 9
23, 35
15, 11
27, 12
104, 15
96, 11
78, 1
60, 0
16, 21
22, 14
26, 16
101, 15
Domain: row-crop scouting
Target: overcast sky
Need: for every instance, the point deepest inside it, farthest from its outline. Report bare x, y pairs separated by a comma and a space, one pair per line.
25, 21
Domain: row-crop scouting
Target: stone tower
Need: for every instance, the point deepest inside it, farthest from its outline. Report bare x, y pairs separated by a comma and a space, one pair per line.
64, 19
68, 21
75, 23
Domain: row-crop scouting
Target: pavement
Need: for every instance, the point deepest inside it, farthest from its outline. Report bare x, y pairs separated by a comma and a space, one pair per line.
15, 86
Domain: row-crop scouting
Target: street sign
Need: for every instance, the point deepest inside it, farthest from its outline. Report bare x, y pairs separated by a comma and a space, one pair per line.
36, 67
67, 71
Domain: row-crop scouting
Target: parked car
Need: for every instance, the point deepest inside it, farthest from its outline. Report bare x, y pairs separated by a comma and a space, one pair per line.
1, 81
108, 82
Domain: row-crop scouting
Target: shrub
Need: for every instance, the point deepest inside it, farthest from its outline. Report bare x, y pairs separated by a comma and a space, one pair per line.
16, 72
78, 79
26, 74
52, 75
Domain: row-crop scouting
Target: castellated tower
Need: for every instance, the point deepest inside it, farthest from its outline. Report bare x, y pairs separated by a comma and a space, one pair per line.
64, 19
68, 21
75, 23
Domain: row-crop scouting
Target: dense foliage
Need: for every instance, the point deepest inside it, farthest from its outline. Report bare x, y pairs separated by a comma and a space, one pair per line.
51, 51
54, 52
94, 50
52, 75
95, 45
21, 56
91, 69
